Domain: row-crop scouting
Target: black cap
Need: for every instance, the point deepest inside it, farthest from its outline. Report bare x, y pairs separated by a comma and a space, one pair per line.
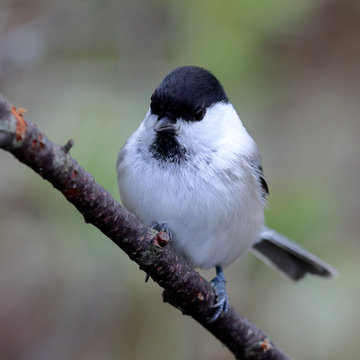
186, 92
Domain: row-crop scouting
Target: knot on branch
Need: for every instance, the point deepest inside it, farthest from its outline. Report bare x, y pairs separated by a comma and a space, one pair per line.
155, 248
161, 239
69, 144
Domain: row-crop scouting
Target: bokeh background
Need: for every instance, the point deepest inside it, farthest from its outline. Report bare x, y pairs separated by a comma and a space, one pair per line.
85, 70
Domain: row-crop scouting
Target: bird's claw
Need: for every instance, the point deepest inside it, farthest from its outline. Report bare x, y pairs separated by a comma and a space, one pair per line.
162, 228
222, 298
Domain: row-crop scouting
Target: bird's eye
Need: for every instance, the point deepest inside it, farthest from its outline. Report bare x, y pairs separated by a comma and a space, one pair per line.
199, 114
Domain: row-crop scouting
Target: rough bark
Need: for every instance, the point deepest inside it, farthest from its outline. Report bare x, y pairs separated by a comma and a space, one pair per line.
184, 287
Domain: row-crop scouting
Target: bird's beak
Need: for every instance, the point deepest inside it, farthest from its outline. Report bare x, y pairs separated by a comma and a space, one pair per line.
165, 124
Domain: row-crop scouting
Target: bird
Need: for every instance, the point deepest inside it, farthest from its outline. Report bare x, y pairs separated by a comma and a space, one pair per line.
192, 169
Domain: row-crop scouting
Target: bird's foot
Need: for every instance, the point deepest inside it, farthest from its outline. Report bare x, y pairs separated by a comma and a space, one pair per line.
222, 299
162, 228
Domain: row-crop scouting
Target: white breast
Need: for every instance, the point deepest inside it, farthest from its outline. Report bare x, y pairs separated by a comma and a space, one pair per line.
211, 202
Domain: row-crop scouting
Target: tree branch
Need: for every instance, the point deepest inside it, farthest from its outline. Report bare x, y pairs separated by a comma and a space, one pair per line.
184, 287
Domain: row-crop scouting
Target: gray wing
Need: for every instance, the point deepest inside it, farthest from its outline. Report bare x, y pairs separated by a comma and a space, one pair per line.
264, 185
255, 163
289, 257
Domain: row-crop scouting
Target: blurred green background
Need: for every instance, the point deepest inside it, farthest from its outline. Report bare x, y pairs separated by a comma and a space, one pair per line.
85, 70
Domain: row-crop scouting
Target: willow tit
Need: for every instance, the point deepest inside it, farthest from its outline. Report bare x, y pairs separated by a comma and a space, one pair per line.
192, 167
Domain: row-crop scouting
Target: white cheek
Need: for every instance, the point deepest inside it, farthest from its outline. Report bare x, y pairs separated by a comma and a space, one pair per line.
220, 128
150, 120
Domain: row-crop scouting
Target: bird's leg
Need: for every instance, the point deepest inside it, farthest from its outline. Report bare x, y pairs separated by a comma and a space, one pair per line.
159, 228
222, 299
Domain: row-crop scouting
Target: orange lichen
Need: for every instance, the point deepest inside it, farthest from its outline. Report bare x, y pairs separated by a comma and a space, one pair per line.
21, 124
265, 345
33, 144
37, 145
74, 174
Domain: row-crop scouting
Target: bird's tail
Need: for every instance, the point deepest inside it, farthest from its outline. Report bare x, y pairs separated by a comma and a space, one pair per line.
288, 257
